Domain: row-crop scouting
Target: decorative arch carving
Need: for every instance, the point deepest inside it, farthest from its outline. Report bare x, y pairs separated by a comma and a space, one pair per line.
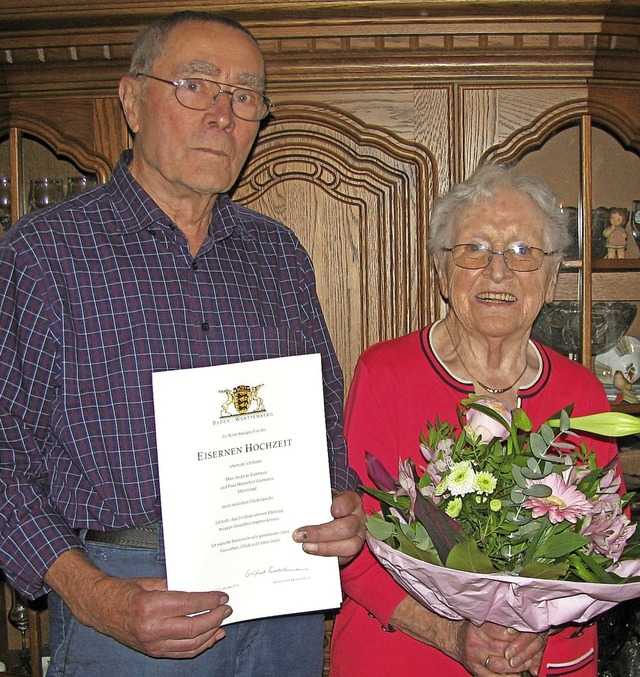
59, 144
359, 198
552, 120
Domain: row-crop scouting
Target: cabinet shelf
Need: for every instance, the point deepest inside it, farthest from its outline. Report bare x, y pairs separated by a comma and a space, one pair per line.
604, 265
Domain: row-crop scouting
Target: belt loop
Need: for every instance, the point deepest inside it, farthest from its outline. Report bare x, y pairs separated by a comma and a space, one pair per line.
161, 552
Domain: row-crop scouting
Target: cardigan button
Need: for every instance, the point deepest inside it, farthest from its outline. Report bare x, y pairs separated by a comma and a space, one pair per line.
385, 628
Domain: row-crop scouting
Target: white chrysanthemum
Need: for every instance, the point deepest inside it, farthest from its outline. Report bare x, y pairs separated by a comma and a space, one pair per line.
485, 483
461, 479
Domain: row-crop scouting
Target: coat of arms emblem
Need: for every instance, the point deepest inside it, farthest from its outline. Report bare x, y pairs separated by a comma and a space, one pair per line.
244, 399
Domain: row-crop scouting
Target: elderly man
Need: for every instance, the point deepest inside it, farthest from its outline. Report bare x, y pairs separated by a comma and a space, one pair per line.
156, 270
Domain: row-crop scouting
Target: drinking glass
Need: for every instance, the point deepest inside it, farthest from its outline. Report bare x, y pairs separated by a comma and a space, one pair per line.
44, 192
77, 184
18, 616
5, 204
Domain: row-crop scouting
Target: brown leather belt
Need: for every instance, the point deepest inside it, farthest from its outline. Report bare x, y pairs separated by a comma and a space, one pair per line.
140, 538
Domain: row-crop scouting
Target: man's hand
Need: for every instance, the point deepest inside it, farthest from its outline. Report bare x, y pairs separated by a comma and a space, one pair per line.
139, 612
343, 536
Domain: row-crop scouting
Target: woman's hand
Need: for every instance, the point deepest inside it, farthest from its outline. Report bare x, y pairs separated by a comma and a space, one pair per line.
485, 651
491, 649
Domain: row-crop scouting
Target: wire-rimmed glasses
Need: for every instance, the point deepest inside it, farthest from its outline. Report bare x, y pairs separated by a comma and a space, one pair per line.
520, 258
201, 94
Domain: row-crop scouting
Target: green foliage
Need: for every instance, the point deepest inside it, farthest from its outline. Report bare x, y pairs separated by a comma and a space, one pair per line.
516, 502
468, 557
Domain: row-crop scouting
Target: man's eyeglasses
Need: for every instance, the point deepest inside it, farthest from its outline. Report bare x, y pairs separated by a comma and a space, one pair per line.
201, 94
519, 258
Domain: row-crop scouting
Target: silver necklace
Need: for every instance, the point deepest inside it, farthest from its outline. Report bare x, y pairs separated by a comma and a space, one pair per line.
493, 391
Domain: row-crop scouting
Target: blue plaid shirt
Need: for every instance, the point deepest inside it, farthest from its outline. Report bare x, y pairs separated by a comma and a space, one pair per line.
97, 293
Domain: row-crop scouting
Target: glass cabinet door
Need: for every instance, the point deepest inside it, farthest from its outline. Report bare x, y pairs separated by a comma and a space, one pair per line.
33, 175
595, 317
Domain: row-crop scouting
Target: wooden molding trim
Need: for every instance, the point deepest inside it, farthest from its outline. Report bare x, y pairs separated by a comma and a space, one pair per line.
384, 41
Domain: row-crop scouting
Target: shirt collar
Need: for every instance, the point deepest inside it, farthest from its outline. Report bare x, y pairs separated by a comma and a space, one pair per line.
138, 210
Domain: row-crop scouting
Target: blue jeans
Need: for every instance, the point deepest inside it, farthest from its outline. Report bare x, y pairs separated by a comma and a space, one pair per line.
285, 646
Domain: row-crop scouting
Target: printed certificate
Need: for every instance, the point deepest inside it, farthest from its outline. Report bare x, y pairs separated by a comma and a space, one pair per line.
242, 453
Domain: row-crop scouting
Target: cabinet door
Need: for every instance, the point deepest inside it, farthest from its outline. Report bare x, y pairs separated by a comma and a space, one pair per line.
358, 199
595, 317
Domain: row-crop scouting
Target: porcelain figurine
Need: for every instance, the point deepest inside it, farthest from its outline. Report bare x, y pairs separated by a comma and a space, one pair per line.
615, 233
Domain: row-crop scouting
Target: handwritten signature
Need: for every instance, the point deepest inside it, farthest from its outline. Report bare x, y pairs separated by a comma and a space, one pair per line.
270, 570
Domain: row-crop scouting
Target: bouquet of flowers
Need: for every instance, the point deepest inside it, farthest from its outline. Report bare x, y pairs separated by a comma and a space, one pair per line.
530, 517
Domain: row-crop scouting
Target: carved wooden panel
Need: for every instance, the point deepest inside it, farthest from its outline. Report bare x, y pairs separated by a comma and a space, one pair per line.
359, 198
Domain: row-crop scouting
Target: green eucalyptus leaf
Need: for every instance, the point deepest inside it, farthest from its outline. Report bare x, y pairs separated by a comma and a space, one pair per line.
537, 491
537, 445
532, 474
556, 461
517, 496
547, 466
420, 532
547, 433
565, 421
380, 529
408, 547
519, 518
533, 464
519, 477
567, 446
529, 528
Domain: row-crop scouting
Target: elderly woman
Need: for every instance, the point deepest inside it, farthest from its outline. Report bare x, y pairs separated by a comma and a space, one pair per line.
497, 242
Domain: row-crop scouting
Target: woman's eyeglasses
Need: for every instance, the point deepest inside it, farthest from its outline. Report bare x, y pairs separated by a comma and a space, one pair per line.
519, 258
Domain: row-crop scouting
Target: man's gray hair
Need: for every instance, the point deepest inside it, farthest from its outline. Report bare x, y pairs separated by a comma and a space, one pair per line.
150, 42
483, 184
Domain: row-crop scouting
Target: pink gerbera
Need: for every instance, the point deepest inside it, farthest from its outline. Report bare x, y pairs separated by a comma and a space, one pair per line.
564, 503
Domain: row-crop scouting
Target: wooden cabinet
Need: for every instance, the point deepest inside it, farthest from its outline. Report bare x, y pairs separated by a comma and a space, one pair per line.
380, 106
